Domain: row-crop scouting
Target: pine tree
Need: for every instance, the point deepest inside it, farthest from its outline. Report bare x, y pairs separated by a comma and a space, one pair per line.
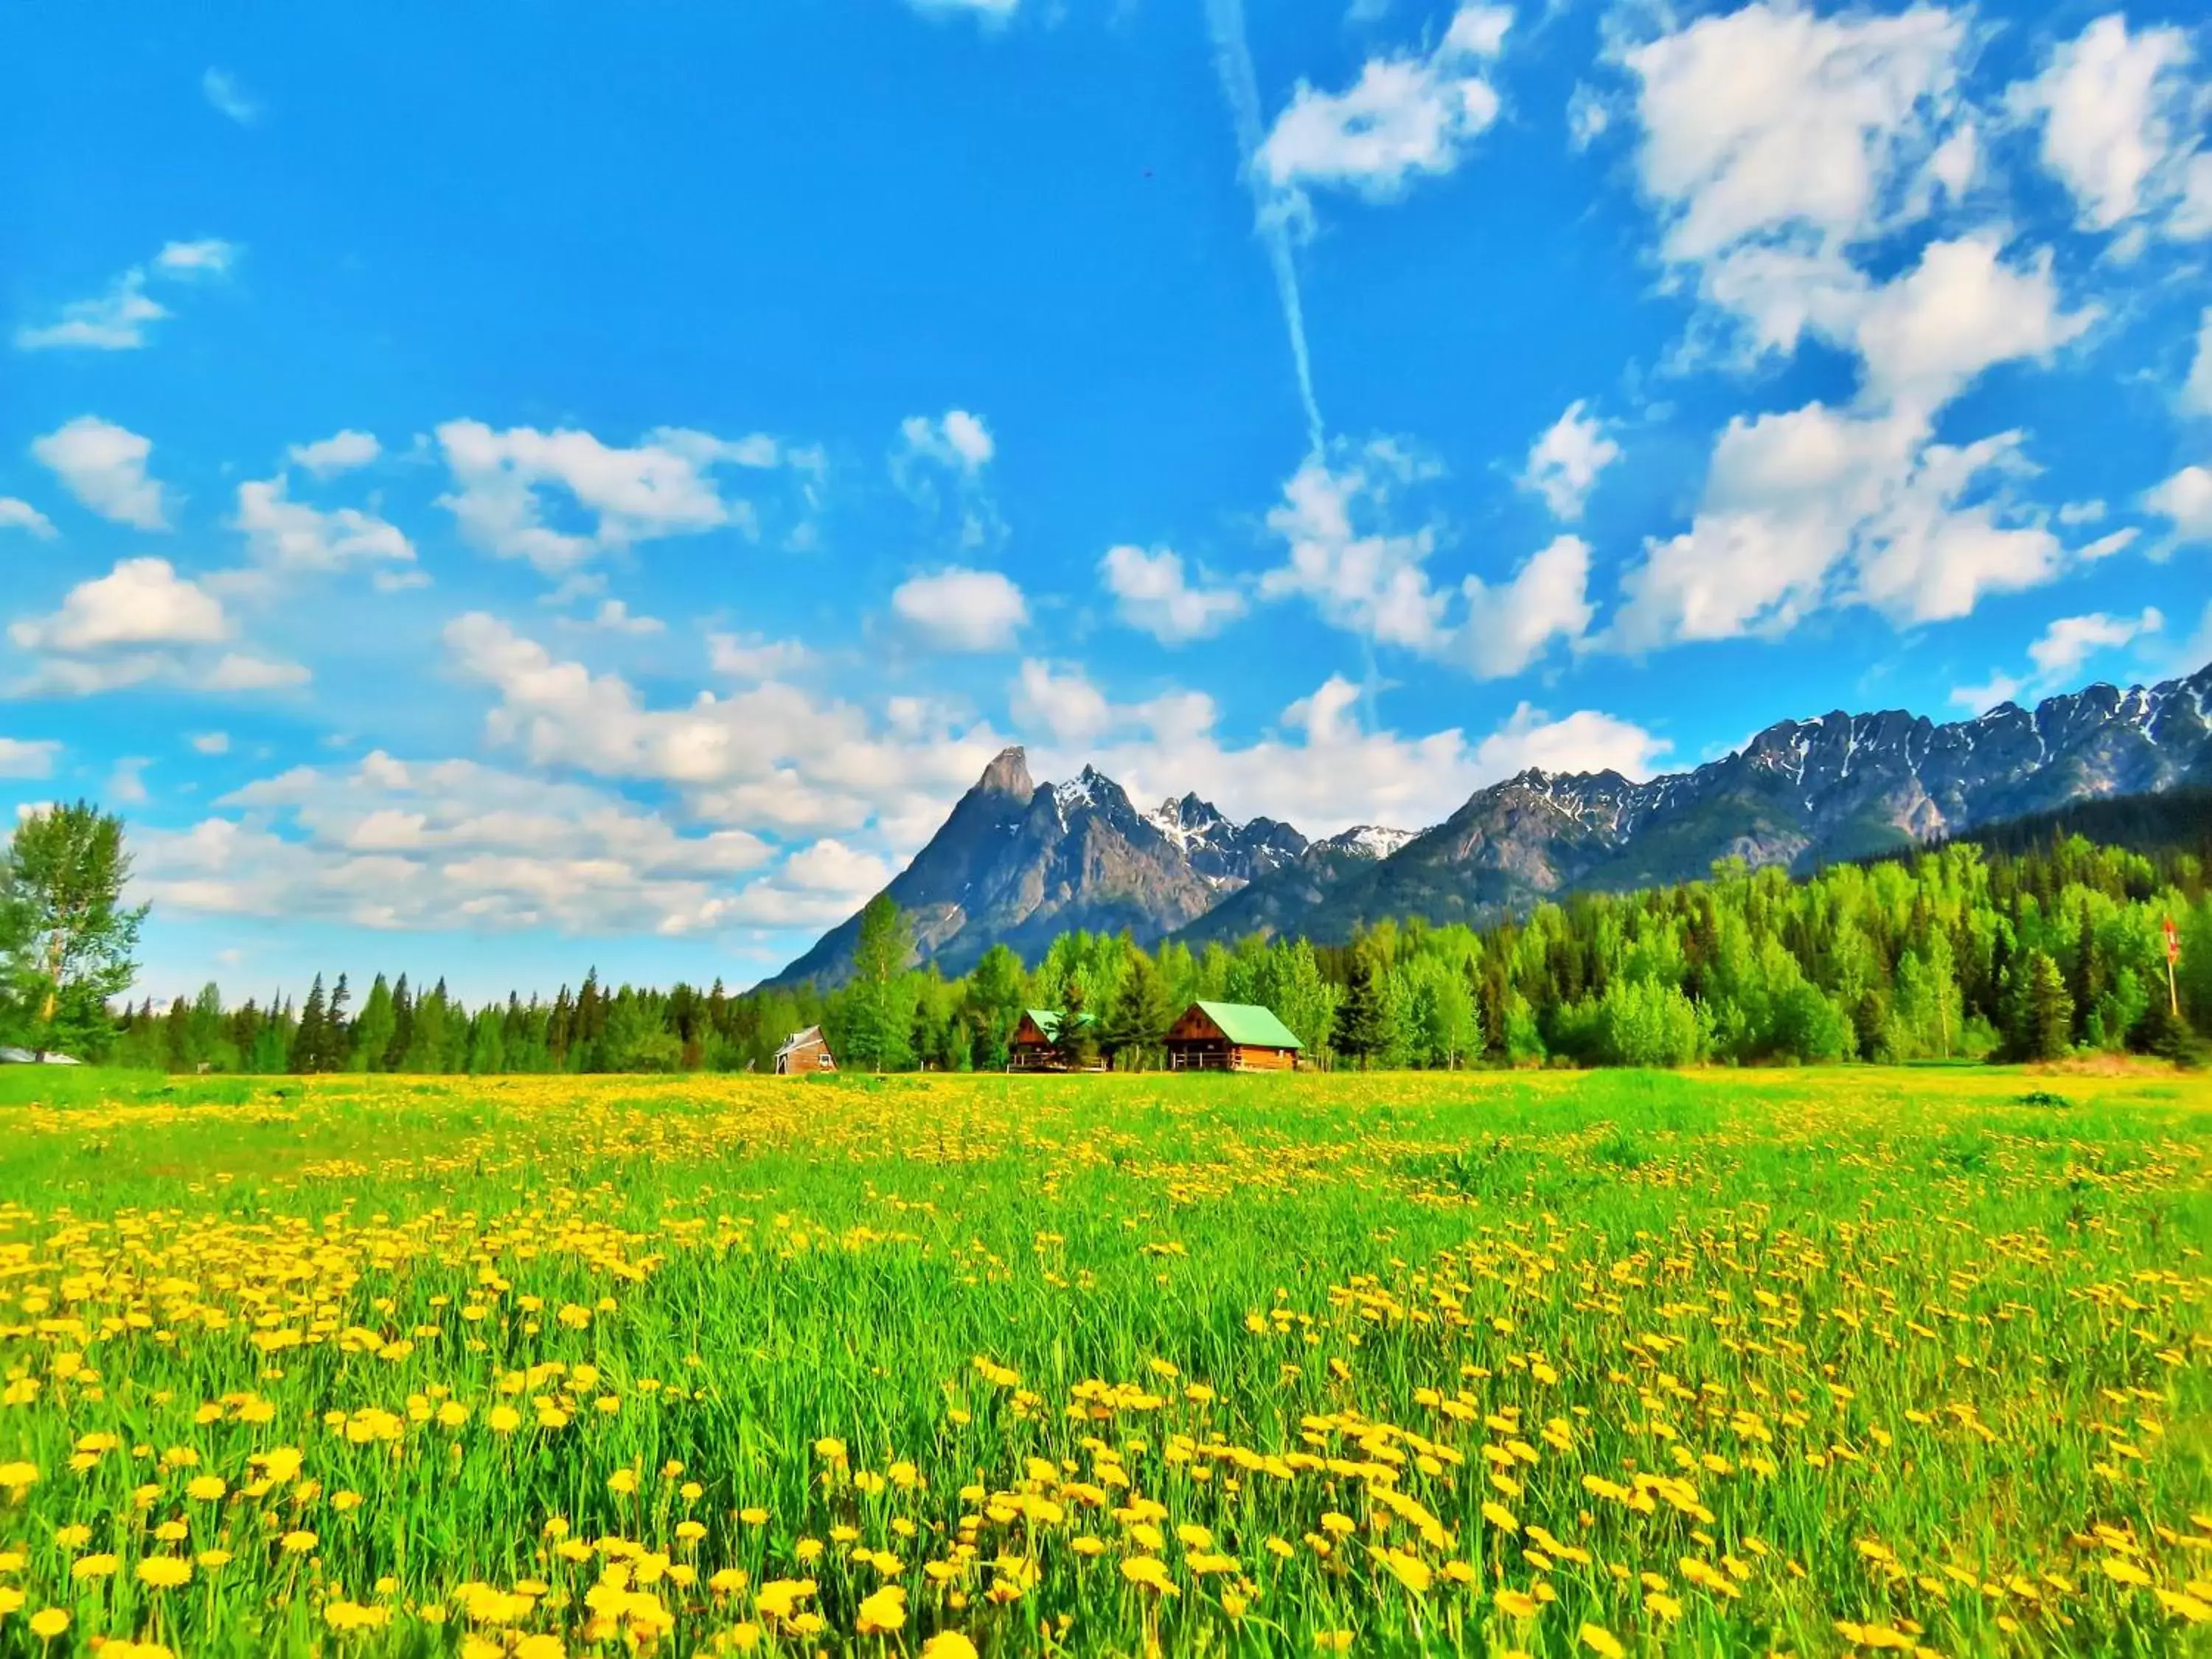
403, 1027
308, 1040
1077, 1039
2042, 1026
372, 1032
337, 1037
1359, 1031
1138, 1020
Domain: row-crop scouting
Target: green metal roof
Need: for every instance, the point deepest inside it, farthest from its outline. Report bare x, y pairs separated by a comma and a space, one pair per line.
1251, 1025
1047, 1021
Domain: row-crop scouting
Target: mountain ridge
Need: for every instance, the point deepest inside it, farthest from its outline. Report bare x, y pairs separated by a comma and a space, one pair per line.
1017, 862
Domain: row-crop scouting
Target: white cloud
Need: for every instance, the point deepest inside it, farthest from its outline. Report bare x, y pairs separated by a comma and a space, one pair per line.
1322, 769
210, 256
1359, 574
2062, 648
613, 617
2115, 118
962, 609
117, 320
103, 466
113, 321
755, 659
240, 671
142, 623
16, 515
1980, 699
767, 756
288, 535
2186, 499
1772, 120
830, 866
126, 783
1585, 741
1371, 580
660, 487
1065, 705
1404, 116
2069, 642
1507, 627
211, 742
939, 466
1776, 142
989, 13
1152, 594
1820, 505
1925, 335
139, 602
1563, 464
341, 451
957, 439
2104, 546
27, 757
397, 844
2197, 390
221, 90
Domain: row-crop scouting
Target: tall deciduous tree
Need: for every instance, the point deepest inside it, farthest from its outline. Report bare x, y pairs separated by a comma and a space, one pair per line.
67, 936
876, 1022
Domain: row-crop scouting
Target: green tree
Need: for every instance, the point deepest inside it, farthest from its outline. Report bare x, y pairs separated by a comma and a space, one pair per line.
991, 1006
1138, 1020
2042, 1025
1360, 1030
309, 1039
877, 1013
66, 936
372, 1032
1078, 1041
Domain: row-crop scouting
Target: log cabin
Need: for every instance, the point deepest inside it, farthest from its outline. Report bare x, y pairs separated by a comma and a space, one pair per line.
804, 1053
1231, 1036
1035, 1045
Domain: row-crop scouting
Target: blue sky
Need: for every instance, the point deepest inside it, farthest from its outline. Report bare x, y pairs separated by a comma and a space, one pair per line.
494, 492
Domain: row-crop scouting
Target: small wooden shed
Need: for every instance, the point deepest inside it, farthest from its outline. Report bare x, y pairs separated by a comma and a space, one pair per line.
804, 1052
1231, 1036
1035, 1045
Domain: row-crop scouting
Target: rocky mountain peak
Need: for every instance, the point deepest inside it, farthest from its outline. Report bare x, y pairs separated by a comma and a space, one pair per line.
1008, 774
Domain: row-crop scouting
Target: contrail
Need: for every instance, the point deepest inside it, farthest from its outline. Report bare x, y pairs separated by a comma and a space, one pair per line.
1233, 61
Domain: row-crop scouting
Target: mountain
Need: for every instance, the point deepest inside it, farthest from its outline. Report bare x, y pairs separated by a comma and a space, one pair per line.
1801, 793
1281, 900
1017, 862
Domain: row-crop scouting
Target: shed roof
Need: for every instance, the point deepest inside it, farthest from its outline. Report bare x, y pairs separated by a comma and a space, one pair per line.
1251, 1025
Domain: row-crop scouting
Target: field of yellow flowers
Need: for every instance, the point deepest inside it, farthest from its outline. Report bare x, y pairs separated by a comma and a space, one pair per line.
1604, 1363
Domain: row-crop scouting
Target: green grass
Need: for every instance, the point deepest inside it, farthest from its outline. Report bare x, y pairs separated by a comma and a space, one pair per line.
1894, 1354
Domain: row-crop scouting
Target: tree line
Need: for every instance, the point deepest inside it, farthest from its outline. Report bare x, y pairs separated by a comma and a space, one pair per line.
1958, 952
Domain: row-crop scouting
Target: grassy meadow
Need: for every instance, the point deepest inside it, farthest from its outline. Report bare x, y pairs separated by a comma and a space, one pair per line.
1805, 1362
